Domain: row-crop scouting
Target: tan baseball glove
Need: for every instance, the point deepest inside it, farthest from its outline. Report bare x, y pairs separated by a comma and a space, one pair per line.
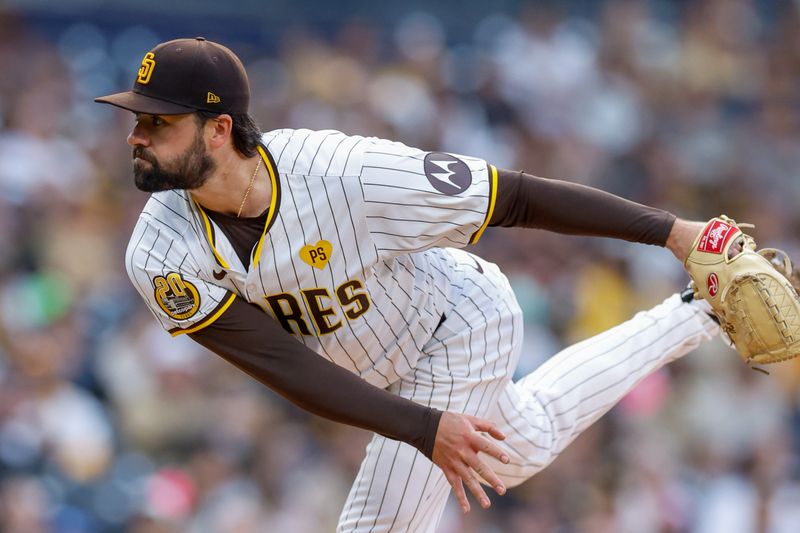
749, 291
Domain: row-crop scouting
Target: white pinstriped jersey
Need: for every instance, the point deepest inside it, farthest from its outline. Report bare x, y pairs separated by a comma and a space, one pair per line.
353, 259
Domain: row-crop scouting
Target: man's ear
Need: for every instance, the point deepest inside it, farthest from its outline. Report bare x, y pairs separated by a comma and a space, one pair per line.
219, 130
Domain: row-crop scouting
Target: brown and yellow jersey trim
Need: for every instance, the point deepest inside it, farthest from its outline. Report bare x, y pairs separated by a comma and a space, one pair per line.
492, 201
210, 319
210, 234
274, 204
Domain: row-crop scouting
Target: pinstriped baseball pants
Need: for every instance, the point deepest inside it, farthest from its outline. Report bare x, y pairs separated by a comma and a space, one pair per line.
467, 367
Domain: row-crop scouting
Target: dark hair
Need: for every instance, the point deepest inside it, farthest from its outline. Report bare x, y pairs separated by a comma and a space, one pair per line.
246, 133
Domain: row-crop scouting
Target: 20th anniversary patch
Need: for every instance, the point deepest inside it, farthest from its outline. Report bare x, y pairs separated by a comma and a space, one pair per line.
176, 296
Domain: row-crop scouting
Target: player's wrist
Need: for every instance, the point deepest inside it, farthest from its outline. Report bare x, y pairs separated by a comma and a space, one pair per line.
431, 429
682, 236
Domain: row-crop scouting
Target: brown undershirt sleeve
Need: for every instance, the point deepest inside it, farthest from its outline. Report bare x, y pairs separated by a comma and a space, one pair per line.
250, 340
564, 207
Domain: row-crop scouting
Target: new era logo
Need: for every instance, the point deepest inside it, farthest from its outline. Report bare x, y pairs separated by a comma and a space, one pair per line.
212, 98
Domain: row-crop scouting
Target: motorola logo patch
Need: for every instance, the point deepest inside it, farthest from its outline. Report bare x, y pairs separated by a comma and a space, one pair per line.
448, 174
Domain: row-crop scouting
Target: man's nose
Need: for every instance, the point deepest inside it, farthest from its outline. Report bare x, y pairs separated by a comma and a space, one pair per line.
137, 136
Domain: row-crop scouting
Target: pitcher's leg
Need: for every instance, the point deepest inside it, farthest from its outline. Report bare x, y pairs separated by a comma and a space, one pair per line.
544, 411
465, 369
397, 489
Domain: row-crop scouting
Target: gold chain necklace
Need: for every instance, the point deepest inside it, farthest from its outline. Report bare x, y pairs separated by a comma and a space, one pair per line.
247, 192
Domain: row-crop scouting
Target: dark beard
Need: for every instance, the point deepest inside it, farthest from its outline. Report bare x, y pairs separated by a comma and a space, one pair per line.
189, 170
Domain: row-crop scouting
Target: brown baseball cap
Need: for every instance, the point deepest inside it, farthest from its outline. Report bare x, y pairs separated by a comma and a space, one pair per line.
186, 75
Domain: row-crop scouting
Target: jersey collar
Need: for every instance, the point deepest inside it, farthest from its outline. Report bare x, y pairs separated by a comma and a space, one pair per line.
274, 203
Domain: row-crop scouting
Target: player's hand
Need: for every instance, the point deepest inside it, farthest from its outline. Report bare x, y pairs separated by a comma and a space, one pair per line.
455, 451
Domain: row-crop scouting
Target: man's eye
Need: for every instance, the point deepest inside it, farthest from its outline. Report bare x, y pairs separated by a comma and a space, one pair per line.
158, 121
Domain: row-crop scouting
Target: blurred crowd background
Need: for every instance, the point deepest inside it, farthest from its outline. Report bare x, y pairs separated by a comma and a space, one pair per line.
108, 424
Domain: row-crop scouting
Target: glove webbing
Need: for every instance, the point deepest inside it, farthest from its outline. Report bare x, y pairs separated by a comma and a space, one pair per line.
772, 307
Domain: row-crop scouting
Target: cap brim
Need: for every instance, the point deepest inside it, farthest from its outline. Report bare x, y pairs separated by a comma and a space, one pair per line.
139, 103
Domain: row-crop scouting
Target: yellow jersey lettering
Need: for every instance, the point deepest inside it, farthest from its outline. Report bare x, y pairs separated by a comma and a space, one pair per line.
351, 296
286, 309
348, 295
319, 313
